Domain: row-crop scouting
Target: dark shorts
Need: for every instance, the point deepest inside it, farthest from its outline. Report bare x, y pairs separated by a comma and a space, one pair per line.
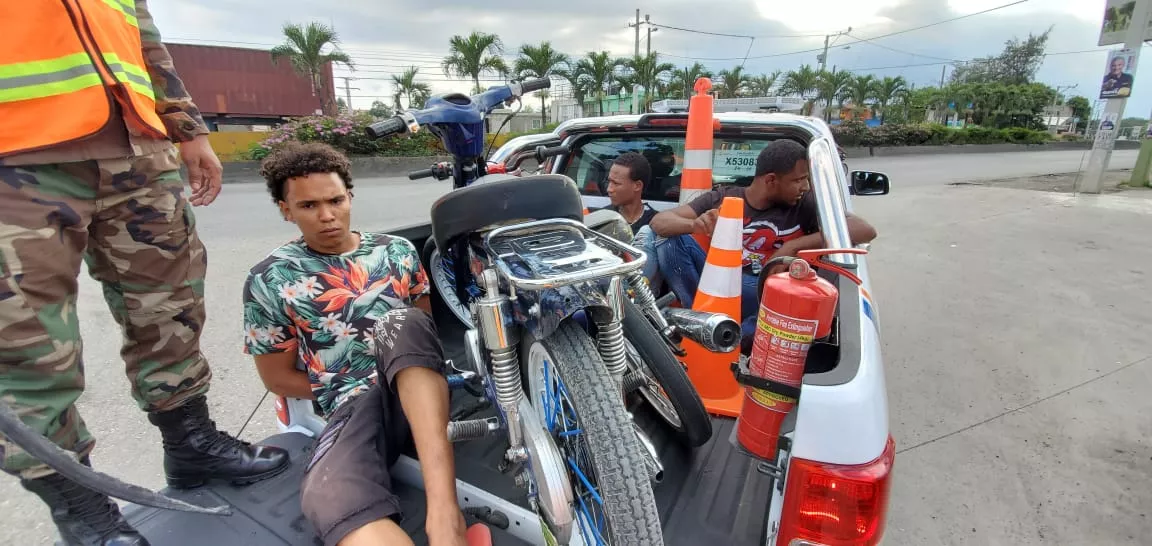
346, 484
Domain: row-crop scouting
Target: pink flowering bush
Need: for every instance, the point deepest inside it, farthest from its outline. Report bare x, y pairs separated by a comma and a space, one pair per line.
345, 132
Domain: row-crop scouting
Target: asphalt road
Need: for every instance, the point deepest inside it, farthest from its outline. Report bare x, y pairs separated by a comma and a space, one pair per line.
1013, 328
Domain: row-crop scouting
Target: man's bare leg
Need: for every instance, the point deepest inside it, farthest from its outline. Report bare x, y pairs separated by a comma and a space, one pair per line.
382, 532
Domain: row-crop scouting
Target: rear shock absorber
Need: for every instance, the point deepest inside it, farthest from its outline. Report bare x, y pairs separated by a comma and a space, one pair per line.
610, 332
645, 300
502, 338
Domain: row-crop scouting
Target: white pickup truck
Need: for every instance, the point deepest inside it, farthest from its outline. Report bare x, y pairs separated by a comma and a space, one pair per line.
830, 484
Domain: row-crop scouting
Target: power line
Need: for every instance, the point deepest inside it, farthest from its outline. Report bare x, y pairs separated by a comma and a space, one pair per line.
870, 42
858, 40
970, 61
746, 36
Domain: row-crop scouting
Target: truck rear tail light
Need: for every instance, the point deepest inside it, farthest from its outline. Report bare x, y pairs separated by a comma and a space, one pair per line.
836, 505
282, 410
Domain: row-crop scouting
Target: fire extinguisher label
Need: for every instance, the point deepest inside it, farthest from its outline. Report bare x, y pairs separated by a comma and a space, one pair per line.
778, 354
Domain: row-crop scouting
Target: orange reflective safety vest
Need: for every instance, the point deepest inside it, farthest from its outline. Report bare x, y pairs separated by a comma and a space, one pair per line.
62, 64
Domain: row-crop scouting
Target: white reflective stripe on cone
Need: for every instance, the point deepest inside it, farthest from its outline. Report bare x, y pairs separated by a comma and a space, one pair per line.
721, 282
686, 196
698, 159
728, 234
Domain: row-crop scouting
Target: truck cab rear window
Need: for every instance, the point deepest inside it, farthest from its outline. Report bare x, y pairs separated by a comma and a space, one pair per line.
733, 162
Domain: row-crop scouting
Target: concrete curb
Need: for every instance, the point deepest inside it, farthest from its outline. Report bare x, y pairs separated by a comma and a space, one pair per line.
892, 151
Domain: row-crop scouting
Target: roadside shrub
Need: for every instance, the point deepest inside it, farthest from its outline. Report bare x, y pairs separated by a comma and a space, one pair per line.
345, 133
854, 133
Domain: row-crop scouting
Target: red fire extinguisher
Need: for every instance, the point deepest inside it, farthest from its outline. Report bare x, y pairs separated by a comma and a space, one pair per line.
796, 308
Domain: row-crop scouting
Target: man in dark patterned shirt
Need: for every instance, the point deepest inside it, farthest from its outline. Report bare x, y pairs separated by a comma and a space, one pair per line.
349, 305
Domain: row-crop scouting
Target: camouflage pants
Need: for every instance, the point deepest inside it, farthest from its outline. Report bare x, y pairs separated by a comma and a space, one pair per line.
129, 221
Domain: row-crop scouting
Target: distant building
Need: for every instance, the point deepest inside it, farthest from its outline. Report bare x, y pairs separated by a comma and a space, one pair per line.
520, 123
240, 87
739, 104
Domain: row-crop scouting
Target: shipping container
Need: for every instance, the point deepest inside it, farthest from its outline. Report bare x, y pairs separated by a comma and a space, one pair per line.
240, 86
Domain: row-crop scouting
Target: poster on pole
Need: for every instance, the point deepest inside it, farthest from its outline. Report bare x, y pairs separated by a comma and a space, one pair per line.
1118, 79
1117, 19
1107, 127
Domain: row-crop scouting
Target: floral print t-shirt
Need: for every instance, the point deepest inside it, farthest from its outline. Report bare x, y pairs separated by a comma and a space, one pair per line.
323, 306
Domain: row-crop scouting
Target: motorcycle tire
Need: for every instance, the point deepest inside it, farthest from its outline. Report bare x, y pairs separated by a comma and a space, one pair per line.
695, 426
604, 444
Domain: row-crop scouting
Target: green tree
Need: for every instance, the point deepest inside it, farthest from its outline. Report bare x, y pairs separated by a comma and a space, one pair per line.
598, 70
646, 71
1081, 110
683, 82
733, 82
305, 48
860, 90
406, 86
380, 110
804, 83
579, 82
888, 91
1016, 64
540, 61
471, 56
833, 86
762, 85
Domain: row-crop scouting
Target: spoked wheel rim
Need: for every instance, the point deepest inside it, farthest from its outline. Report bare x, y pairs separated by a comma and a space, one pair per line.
557, 413
442, 278
650, 388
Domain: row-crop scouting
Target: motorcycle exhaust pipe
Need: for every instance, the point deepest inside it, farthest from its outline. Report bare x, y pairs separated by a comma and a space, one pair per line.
651, 458
714, 331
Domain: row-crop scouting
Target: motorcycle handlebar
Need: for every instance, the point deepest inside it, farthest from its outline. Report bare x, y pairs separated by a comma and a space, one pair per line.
422, 173
386, 127
536, 85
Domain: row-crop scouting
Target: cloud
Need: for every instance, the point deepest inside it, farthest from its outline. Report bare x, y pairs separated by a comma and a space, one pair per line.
383, 38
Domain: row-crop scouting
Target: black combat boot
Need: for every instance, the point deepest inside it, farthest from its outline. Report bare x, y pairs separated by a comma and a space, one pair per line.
195, 452
83, 517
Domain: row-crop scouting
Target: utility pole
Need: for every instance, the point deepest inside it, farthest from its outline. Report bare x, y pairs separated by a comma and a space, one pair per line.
636, 52
943, 70
1105, 140
348, 91
650, 31
637, 25
823, 57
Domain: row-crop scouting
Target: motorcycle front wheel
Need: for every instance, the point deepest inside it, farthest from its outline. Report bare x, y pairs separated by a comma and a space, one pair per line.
580, 407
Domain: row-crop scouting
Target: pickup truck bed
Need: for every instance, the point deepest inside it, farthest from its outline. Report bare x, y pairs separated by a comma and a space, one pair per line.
710, 495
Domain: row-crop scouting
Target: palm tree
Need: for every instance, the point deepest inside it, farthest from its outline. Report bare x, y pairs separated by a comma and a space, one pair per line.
762, 85
733, 82
803, 83
407, 86
469, 57
860, 90
598, 70
889, 90
579, 82
832, 86
683, 81
540, 62
646, 70
304, 48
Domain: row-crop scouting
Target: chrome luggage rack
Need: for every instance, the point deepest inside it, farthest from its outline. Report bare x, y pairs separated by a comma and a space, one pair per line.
556, 252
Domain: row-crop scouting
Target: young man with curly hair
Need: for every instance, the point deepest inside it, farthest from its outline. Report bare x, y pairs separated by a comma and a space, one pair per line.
349, 305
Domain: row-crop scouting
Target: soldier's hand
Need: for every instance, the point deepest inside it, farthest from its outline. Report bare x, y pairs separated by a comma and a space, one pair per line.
204, 170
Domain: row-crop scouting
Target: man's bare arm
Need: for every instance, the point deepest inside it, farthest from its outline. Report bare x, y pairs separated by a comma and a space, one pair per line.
859, 231
279, 374
683, 220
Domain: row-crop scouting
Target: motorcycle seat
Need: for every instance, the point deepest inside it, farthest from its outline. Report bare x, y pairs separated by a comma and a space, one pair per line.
495, 200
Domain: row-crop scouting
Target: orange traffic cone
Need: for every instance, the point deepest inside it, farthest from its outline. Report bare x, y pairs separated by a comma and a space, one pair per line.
697, 174
719, 292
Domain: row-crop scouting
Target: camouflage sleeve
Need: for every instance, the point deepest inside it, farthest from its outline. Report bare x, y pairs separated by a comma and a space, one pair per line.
180, 115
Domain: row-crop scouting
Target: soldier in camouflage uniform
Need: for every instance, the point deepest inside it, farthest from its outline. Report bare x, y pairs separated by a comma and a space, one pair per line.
116, 201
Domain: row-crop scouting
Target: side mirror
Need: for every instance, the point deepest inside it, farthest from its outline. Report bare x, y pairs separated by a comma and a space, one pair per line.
869, 183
